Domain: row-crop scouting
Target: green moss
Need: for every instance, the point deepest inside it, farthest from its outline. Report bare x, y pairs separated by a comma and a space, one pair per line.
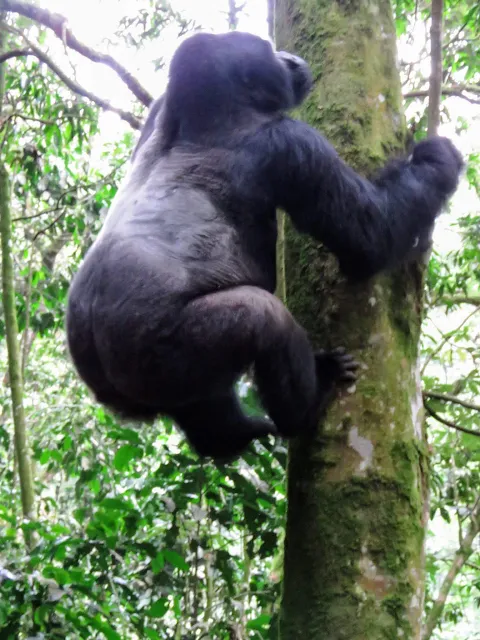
352, 67
341, 519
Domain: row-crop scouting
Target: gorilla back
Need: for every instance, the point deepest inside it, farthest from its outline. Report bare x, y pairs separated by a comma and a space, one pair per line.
174, 301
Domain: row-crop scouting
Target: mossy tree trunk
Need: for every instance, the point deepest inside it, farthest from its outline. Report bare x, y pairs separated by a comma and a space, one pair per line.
357, 491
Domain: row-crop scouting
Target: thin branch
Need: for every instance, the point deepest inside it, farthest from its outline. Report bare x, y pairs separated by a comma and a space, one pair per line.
473, 300
25, 343
22, 116
456, 36
473, 88
85, 186
51, 209
59, 25
456, 91
449, 423
50, 225
76, 88
38, 120
447, 397
435, 84
462, 554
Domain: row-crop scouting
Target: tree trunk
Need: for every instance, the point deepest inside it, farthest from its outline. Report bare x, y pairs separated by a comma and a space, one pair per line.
14, 359
11, 329
358, 490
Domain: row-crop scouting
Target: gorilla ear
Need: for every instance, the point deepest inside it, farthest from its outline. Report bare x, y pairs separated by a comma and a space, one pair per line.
300, 75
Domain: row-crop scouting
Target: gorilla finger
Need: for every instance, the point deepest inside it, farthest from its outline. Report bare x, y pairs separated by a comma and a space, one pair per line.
338, 351
349, 362
348, 376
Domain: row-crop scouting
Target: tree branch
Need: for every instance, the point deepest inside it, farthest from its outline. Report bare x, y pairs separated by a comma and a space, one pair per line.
473, 300
233, 11
456, 91
461, 556
449, 423
14, 53
17, 114
71, 84
271, 19
435, 84
58, 24
447, 397
456, 36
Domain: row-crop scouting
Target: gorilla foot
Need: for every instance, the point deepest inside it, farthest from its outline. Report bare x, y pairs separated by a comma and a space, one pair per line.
336, 366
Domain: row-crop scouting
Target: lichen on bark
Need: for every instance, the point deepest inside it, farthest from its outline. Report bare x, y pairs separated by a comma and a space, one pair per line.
357, 488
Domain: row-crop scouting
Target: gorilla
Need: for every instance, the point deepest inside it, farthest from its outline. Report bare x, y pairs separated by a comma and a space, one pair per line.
174, 300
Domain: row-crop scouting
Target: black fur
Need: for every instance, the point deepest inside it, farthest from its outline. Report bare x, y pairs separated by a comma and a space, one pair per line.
174, 299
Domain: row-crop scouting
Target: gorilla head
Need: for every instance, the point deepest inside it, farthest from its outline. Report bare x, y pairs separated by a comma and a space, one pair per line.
224, 80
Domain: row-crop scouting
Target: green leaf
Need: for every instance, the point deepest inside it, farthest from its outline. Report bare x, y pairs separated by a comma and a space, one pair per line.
117, 504
95, 486
60, 576
104, 628
175, 559
158, 608
259, 623
45, 457
41, 613
125, 434
125, 455
158, 562
444, 513
80, 515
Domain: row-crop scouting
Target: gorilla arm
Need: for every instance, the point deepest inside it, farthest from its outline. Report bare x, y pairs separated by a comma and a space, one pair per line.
368, 225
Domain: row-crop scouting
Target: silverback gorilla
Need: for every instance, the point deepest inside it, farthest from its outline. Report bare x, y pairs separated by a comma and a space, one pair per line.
174, 300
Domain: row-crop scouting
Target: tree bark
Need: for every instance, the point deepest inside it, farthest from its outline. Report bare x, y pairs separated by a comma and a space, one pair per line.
357, 490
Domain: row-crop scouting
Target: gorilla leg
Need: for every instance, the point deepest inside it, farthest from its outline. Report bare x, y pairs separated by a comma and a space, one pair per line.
217, 426
228, 330
294, 396
82, 347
